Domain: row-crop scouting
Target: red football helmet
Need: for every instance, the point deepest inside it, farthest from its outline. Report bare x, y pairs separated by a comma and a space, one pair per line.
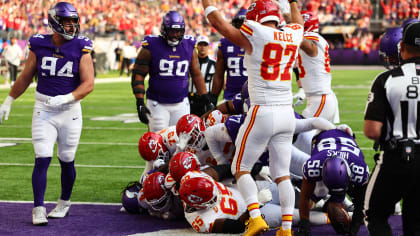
311, 21
215, 117
181, 163
199, 193
151, 147
263, 10
190, 130
155, 192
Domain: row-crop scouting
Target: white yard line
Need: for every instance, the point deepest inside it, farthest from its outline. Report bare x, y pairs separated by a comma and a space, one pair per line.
79, 203
77, 165
28, 140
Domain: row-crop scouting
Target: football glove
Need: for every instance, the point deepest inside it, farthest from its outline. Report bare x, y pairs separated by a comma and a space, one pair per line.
346, 129
213, 98
207, 102
5, 108
142, 111
304, 228
300, 97
59, 100
264, 196
284, 6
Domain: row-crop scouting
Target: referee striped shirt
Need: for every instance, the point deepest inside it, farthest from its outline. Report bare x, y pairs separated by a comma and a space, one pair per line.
394, 100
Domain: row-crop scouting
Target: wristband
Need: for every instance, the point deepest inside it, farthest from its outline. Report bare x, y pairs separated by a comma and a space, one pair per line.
8, 100
209, 10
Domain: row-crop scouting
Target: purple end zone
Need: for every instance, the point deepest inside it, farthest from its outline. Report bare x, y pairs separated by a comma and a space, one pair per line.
84, 219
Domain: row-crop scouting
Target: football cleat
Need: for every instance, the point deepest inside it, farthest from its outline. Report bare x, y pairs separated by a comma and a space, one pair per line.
284, 232
61, 210
39, 216
255, 226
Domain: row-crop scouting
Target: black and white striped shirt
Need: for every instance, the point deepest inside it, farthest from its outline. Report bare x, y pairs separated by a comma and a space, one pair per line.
208, 68
394, 100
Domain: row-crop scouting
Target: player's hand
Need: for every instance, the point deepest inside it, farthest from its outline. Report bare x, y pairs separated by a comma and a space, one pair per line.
265, 173
322, 124
304, 228
206, 101
158, 163
213, 98
264, 196
300, 97
284, 6
59, 100
142, 111
5, 108
346, 129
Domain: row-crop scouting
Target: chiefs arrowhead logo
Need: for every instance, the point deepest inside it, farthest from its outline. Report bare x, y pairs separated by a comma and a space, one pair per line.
153, 145
194, 198
187, 162
190, 119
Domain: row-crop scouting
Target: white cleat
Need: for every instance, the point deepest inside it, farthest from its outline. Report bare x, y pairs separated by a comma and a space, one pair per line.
39, 216
61, 210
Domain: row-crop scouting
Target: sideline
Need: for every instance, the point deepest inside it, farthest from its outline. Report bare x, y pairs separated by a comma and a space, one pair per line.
76, 165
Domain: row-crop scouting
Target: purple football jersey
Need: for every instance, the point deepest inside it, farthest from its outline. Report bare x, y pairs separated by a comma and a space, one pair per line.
169, 68
339, 143
58, 67
232, 124
237, 103
234, 64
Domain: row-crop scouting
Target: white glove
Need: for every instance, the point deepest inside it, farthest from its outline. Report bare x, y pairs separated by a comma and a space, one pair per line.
265, 173
183, 141
300, 97
345, 128
158, 163
322, 123
264, 196
284, 6
5, 108
60, 100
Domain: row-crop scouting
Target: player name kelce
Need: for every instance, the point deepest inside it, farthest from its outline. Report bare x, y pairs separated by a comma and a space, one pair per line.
281, 36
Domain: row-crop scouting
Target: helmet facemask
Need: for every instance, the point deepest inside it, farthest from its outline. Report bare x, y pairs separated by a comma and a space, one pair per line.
60, 12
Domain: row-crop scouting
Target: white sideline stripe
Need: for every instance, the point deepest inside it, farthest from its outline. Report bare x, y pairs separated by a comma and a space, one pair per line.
88, 127
172, 232
78, 203
100, 143
76, 165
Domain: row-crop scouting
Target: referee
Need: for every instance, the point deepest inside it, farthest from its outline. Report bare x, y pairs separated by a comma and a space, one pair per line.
391, 119
207, 67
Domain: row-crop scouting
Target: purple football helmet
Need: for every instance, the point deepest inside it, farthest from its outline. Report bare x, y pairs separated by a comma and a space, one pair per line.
409, 21
57, 13
336, 175
129, 198
388, 47
239, 18
172, 21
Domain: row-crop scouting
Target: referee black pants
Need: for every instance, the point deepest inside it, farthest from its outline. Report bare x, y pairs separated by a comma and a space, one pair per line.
390, 181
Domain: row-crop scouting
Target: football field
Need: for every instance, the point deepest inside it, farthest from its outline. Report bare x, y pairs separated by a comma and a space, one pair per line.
107, 157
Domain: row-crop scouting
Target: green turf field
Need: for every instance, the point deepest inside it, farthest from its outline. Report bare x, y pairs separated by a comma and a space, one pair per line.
107, 157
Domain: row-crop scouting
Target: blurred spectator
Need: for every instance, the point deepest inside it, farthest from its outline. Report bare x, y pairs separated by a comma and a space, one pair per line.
13, 53
128, 52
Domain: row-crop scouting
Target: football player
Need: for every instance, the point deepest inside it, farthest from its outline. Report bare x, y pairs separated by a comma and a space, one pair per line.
269, 56
336, 167
230, 59
168, 59
212, 207
315, 73
63, 64
156, 148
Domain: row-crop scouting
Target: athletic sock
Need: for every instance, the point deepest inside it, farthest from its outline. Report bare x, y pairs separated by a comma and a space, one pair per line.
68, 176
249, 191
287, 202
39, 179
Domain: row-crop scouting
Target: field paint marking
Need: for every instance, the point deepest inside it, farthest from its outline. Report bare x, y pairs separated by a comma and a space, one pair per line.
88, 127
27, 140
76, 165
172, 232
79, 203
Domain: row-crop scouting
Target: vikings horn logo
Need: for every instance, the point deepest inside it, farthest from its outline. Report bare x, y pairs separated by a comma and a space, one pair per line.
153, 145
194, 198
